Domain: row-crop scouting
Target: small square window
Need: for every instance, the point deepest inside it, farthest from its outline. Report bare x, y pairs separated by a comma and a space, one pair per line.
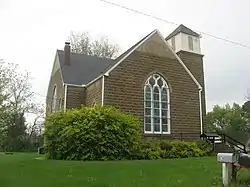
164, 121
164, 105
156, 120
164, 97
164, 128
148, 127
157, 127
164, 113
148, 103
148, 111
156, 112
156, 97
156, 104
148, 120
148, 96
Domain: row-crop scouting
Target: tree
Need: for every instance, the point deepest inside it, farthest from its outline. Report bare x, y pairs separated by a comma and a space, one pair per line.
248, 95
35, 131
16, 100
229, 120
16, 133
81, 43
4, 106
246, 109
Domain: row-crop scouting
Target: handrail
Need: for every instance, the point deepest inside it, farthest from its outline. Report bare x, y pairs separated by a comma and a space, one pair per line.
232, 141
235, 142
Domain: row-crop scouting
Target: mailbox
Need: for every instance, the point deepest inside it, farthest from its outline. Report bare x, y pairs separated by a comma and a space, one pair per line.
227, 157
244, 160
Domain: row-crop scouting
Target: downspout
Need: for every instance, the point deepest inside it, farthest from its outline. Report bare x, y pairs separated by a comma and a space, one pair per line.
200, 103
102, 89
65, 96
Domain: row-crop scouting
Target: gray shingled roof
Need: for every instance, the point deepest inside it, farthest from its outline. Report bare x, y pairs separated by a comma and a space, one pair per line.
83, 68
182, 29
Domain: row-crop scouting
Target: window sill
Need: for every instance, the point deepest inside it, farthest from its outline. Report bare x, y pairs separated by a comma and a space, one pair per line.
156, 134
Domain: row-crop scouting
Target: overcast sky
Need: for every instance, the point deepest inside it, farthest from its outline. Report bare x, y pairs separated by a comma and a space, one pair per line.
32, 30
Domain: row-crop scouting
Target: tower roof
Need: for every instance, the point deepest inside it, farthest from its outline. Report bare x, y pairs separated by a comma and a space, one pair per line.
182, 29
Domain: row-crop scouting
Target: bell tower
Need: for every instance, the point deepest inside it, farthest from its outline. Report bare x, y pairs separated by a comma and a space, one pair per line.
184, 39
186, 44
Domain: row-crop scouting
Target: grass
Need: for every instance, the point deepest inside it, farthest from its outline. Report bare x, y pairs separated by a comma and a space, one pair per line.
23, 170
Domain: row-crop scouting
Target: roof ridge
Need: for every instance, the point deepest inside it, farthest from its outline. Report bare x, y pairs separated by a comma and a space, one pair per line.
182, 28
80, 54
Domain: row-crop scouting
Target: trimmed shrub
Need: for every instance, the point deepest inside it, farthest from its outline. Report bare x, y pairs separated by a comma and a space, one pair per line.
205, 146
104, 133
173, 149
149, 150
181, 149
92, 133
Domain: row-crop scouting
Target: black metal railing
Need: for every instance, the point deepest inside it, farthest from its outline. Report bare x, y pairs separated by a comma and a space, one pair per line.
212, 137
233, 142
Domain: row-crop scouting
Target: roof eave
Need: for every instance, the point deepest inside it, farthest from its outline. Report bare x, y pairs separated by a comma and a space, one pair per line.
74, 85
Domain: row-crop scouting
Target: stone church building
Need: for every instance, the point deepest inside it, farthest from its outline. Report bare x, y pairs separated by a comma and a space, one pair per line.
160, 80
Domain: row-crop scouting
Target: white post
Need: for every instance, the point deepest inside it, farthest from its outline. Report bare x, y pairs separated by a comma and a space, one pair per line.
225, 177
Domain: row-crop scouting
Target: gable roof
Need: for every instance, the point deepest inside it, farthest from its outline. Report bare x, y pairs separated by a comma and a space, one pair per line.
127, 52
182, 29
83, 68
143, 41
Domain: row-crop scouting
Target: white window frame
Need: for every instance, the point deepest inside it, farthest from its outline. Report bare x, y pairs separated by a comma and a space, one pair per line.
165, 85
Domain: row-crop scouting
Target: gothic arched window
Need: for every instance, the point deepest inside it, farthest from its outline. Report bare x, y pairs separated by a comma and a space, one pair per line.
156, 105
54, 98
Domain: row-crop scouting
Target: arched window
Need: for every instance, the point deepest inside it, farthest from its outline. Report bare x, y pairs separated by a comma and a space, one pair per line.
54, 98
60, 104
156, 105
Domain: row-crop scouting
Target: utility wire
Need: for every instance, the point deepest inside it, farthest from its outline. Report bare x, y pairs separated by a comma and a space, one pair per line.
163, 20
139, 12
173, 23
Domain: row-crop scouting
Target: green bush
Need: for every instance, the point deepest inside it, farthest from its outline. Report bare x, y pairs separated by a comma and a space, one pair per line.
92, 133
174, 149
205, 146
149, 150
181, 149
104, 133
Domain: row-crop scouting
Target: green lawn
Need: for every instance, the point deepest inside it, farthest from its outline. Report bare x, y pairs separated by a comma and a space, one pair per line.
23, 170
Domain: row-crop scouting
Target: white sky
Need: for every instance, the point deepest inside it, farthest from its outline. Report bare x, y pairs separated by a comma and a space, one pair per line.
32, 30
